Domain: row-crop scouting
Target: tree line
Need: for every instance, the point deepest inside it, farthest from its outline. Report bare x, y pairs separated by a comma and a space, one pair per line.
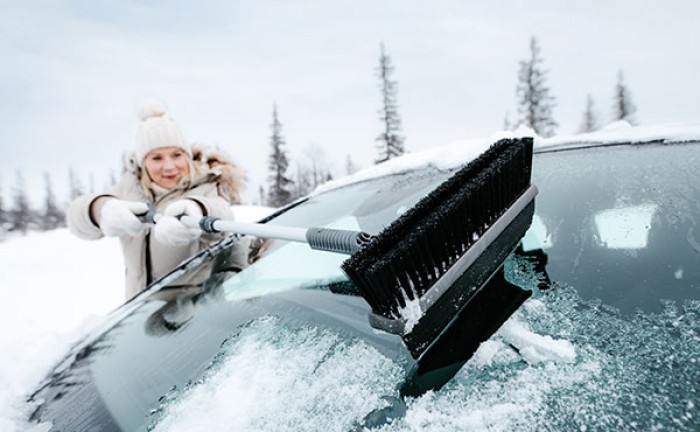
535, 103
21, 217
535, 107
284, 187
287, 182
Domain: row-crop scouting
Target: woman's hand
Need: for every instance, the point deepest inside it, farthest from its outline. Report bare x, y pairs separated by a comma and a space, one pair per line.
170, 230
118, 218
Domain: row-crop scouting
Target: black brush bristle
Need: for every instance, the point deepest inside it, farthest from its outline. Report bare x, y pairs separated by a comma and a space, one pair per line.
412, 253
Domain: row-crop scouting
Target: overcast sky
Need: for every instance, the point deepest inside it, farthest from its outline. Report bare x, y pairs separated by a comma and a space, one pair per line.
73, 73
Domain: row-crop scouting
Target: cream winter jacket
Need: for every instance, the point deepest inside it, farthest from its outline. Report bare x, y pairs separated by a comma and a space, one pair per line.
215, 184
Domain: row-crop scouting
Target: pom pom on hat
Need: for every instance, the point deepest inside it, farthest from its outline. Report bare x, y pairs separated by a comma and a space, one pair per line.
151, 108
157, 130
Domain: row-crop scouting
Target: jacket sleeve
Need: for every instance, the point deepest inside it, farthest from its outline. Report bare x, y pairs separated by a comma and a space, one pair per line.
207, 196
80, 221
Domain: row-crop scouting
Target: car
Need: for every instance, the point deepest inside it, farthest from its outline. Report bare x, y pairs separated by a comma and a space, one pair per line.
606, 284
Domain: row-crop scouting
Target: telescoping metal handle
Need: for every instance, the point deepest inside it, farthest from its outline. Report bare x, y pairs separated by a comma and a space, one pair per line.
326, 239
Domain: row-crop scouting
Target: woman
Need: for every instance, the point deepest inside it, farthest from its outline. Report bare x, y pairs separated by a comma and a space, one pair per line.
178, 179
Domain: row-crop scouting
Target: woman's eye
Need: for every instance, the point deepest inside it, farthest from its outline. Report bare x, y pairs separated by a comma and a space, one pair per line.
156, 158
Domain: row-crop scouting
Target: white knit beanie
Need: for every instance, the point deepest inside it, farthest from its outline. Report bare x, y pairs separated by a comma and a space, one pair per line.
157, 129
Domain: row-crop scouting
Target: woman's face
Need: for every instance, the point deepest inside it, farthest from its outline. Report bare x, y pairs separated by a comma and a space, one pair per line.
166, 166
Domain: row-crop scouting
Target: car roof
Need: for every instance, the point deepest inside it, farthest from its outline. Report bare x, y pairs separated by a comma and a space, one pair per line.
460, 152
621, 133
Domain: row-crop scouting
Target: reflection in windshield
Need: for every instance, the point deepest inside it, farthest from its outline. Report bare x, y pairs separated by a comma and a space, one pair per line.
625, 228
367, 206
621, 224
537, 237
287, 266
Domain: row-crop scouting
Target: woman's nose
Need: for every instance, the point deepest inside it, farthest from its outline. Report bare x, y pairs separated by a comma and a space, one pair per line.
168, 164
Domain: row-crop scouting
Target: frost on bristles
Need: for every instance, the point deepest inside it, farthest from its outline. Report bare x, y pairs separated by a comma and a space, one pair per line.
412, 313
151, 108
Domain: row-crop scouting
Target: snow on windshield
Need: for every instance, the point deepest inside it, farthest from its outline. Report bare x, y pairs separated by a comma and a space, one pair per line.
271, 377
589, 366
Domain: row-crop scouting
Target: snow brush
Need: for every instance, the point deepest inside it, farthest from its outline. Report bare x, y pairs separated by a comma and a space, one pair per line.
425, 268
436, 260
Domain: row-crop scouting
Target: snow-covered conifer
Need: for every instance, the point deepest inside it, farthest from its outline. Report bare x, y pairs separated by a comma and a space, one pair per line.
390, 143
3, 212
52, 216
350, 167
21, 216
279, 192
623, 108
75, 187
589, 123
535, 103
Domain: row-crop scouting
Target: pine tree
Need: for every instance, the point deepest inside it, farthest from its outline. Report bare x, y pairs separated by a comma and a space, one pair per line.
3, 212
623, 108
279, 192
75, 187
589, 123
20, 215
350, 167
506, 122
304, 182
52, 217
313, 169
261, 195
390, 142
318, 165
535, 104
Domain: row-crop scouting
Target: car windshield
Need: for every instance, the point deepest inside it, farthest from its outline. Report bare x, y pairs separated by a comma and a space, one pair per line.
620, 224
368, 206
610, 221
608, 339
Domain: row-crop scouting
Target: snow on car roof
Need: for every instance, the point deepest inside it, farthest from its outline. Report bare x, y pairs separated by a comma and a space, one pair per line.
444, 157
622, 132
463, 151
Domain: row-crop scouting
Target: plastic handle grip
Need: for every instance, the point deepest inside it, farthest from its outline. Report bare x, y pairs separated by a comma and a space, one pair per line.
333, 240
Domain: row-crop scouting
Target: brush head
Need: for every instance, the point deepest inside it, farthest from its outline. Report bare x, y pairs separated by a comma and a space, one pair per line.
408, 257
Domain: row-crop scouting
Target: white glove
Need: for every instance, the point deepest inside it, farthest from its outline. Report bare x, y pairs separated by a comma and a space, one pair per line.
118, 218
170, 230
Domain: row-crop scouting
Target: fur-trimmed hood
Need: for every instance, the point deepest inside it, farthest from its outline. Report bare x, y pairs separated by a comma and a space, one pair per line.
207, 165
